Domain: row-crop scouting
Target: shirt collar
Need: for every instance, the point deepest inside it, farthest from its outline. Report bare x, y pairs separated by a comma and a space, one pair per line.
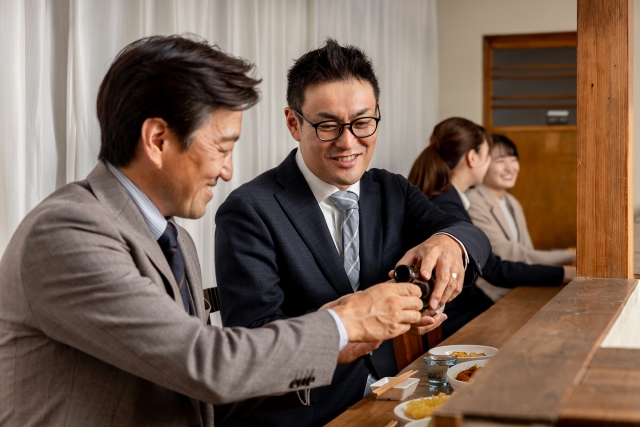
465, 200
150, 212
321, 189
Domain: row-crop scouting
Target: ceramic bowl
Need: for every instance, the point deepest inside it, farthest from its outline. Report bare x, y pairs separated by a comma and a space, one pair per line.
447, 350
455, 370
419, 423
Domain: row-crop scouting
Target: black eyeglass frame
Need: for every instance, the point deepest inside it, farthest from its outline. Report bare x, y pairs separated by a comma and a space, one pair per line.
342, 125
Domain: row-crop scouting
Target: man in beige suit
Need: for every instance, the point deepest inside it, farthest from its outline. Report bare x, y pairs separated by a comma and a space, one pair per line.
102, 320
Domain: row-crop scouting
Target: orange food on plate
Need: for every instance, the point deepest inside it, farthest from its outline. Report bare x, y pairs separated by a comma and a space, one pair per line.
465, 354
467, 374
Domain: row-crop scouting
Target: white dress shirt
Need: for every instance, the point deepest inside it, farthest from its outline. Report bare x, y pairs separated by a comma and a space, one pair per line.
156, 222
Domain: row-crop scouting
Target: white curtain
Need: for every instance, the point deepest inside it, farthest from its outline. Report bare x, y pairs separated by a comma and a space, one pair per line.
56, 52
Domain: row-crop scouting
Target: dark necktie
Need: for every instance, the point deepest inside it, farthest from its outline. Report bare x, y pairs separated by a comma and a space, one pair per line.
169, 244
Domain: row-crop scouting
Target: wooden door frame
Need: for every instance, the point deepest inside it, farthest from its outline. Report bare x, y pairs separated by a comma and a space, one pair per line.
516, 41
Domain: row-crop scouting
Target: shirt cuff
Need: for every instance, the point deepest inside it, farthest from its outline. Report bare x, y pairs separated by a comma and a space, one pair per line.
344, 337
466, 255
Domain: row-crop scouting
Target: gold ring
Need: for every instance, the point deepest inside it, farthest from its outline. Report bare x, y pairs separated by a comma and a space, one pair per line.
454, 275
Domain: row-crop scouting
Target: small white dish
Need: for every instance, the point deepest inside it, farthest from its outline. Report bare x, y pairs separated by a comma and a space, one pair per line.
453, 371
447, 350
399, 392
400, 412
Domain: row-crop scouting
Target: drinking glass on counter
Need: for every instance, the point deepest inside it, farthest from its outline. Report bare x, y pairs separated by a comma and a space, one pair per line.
437, 369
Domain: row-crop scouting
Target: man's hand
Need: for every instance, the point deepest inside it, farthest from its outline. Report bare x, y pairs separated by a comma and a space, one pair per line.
354, 350
333, 303
444, 254
429, 321
380, 312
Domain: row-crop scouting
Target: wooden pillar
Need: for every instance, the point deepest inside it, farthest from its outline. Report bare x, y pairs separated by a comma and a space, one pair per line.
604, 138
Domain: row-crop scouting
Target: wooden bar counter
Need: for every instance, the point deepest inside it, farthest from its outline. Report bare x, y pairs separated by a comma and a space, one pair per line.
551, 369
493, 328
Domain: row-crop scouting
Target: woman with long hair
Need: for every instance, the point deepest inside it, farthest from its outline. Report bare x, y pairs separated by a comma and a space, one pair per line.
456, 159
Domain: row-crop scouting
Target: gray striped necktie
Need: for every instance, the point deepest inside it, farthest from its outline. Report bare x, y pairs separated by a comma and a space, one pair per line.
347, 202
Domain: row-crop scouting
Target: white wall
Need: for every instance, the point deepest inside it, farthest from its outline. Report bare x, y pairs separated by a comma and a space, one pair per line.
624, 332
461, 27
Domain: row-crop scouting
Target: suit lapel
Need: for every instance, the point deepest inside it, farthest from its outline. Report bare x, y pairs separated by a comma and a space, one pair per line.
300, 206
496, 211
113, 195
370, 203
193, 268
453, 195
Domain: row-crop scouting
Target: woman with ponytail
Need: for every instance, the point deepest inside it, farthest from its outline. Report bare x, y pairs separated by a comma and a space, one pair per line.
458, 145
456, 159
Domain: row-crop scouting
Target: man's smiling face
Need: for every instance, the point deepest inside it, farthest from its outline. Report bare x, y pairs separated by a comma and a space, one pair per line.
189, 175
343, 161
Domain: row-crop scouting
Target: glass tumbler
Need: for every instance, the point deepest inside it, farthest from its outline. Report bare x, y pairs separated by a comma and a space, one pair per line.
437, 369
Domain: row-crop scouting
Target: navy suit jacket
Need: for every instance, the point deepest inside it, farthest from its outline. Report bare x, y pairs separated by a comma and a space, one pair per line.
507, 274
275, 258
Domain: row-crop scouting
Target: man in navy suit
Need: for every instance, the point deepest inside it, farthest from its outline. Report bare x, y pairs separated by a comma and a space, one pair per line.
320, 226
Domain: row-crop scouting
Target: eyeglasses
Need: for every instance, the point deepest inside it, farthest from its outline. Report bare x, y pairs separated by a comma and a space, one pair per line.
328, 130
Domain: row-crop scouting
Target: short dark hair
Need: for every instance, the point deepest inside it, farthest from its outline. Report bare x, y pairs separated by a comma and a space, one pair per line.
329, 63
505, 145
179, 79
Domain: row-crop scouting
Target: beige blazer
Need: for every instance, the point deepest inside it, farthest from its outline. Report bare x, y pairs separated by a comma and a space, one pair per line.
485, 212
90, 336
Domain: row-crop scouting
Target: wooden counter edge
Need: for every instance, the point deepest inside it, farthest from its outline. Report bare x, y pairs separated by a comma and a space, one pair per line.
531, 355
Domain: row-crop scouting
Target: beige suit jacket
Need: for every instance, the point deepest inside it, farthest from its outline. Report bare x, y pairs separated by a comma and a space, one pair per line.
90, 336
485, 212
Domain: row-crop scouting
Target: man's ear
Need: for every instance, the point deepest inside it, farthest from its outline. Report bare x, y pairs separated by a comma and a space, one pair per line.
293, 123
153, 140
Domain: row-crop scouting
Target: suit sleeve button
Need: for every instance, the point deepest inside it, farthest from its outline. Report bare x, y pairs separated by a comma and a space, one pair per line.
312, 380
294, 384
